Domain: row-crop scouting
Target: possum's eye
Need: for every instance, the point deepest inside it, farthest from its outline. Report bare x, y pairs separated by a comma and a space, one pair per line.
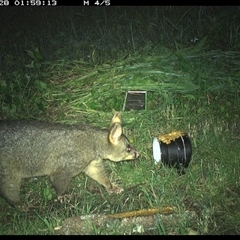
128, 148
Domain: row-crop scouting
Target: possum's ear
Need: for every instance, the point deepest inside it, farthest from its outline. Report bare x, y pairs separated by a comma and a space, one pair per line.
115, 133
116, 118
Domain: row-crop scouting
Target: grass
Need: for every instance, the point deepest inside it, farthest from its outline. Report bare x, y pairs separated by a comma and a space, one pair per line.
192, 86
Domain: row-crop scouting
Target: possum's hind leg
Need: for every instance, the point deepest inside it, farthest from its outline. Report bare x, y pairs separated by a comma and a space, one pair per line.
60, 180
10, 189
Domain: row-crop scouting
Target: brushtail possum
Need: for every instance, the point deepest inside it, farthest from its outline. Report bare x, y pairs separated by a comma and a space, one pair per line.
61, 151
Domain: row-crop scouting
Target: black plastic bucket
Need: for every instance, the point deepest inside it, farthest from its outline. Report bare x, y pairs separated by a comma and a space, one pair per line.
173, 149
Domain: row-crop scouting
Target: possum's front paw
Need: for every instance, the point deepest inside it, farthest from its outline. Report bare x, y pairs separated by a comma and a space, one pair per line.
115, 189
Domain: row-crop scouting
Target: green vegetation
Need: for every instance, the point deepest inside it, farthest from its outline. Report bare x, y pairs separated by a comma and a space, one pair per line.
75, 64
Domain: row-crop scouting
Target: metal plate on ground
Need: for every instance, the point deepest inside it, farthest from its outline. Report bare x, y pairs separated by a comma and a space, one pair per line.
135, 100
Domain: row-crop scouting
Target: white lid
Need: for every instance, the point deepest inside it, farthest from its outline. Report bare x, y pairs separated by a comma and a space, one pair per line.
156, 150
